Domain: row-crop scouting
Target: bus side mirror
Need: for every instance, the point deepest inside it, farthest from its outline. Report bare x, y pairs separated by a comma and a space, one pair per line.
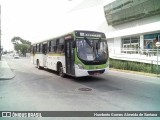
74, 44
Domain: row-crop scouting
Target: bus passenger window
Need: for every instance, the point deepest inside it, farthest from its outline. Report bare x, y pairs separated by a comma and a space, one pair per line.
60, 45
53, 46
37, 47
44, 49
49, 46
55, 49
62, 49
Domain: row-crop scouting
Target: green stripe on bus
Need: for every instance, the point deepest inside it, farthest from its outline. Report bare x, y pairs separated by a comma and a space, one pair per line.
52, 54
90, 67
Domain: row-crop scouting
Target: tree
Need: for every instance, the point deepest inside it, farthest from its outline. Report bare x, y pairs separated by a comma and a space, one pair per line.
19, 39
20, 45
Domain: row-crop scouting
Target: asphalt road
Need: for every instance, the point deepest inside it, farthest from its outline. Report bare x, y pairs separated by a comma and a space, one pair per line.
43, 90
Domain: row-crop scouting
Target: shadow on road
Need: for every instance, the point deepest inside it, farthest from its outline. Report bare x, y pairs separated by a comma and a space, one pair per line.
79, 79
98, 83
101, 83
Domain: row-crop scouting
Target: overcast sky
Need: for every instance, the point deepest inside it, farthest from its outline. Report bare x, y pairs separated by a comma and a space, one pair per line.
36, 20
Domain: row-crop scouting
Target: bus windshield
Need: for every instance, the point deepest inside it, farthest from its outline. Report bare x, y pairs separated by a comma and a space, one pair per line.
94, 50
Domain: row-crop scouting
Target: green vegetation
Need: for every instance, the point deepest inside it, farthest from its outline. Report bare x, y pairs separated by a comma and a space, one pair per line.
134, 66
21, 46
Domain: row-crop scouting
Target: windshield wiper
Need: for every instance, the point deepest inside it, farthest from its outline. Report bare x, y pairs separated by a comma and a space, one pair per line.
98, 44
88, 41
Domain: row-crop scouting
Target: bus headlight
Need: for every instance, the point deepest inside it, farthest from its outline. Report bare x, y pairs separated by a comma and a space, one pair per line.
80, 66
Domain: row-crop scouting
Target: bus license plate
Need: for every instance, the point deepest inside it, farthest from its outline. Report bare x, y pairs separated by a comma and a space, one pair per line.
96, 74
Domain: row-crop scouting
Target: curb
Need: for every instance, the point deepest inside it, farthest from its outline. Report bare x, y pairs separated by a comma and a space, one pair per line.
136, 72
5, 71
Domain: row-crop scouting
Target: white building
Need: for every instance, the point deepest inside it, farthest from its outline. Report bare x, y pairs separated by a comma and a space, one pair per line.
132, 24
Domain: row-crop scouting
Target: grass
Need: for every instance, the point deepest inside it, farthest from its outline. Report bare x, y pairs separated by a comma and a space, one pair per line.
134, 66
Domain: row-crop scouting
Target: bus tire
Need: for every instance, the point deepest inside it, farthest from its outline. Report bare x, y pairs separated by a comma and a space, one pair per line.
38, 65
60, 70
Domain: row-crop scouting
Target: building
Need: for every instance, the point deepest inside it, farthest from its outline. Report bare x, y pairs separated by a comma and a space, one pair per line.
133, 26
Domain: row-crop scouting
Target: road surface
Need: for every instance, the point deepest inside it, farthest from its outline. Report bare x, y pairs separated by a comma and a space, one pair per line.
43, 90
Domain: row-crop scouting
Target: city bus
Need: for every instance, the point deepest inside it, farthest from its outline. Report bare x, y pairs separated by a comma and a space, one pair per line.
77, 53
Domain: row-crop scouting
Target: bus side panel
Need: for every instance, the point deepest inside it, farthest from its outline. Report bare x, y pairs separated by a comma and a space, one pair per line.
62, 60
49, 62
38, 57
84, 72
52, 61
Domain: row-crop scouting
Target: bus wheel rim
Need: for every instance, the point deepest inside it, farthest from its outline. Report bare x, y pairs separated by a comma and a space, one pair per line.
60, 71
37, 64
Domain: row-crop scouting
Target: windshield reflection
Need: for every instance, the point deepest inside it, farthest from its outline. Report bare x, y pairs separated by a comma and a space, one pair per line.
96, 51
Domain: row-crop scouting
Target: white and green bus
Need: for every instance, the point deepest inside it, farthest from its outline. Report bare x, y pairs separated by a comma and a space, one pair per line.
78, 53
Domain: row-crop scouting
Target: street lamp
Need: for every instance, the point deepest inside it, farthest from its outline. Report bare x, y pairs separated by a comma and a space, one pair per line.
157, 45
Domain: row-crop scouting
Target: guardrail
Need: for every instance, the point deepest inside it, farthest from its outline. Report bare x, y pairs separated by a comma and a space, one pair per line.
148, 52
138, 55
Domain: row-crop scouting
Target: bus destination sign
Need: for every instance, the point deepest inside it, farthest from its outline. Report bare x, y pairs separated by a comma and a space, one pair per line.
89, 34
68, 37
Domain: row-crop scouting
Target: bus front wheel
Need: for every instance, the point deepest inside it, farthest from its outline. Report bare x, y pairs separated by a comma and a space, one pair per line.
60, 71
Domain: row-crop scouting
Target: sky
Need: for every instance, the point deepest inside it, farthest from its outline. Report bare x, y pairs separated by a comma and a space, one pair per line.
37, 20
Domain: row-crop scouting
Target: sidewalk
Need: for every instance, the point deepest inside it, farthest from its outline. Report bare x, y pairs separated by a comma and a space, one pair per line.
5, 71
136, 58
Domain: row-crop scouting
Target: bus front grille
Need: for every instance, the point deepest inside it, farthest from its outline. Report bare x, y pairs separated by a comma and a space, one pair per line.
96, 72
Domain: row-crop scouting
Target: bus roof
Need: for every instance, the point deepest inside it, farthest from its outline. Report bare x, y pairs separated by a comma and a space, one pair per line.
78, 33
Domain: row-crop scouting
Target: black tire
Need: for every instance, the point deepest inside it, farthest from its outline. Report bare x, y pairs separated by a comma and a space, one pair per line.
38, 65
60, 71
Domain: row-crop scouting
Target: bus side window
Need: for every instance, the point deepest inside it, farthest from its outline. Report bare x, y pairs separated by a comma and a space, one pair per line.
34, 49
40, 47
37, 48
62, 48
57, 45
60, 45
53, 46
44, 49
49, 46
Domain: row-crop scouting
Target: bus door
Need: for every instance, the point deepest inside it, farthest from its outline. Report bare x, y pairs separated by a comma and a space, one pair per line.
44, 48
69, 55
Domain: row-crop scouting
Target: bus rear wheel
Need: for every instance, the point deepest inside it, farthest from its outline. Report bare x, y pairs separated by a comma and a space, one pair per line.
60, 71
38, 65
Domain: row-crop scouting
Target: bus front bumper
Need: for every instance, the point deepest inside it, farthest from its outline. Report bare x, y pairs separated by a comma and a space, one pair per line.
82, 72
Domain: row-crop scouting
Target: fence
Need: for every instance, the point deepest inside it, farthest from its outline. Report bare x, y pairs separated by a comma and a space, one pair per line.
137, 60
150, 52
